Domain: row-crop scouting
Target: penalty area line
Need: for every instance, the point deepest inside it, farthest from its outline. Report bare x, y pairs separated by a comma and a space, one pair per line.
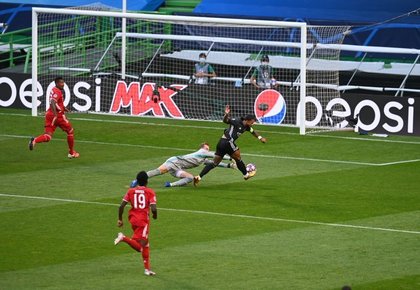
399, 162
191, 150
222, 214
263, 130
57, 199
244, 154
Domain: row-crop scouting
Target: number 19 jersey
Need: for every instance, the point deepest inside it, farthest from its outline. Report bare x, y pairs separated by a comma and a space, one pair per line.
140, 198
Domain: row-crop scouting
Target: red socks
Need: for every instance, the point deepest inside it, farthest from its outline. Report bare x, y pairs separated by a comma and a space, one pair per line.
146, 260
133, 243
145, 251
42, 138
70, 142
47, 138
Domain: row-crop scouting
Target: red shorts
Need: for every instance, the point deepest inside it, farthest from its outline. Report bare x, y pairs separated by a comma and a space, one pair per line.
140, 232
61, 121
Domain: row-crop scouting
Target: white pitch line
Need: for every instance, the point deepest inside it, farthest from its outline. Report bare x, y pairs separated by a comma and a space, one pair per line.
223, 214
259, 130
313, 159
399, 162
221, 128
57, 199
296, 221
109, 143
149, 123
244, 154
369, 139
15, 114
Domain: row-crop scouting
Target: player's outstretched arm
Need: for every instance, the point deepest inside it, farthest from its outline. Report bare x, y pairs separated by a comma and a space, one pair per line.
256, 135
261, 138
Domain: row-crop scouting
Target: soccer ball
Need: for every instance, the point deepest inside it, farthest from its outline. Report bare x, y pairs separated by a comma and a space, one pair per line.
251, 167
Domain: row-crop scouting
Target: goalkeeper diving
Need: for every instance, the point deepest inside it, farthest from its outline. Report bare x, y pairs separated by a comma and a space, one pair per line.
177, 165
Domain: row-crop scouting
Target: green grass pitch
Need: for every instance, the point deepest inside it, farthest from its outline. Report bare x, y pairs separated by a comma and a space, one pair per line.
323, 211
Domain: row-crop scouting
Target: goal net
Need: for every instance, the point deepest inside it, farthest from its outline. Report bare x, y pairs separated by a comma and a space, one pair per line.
185, 67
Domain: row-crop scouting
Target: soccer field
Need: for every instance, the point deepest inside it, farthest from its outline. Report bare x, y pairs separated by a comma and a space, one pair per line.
323, 210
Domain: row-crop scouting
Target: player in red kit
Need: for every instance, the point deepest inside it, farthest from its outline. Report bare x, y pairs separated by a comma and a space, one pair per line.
55, 117
141, 199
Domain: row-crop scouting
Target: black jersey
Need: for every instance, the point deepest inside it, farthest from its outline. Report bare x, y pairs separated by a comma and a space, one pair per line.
235, 129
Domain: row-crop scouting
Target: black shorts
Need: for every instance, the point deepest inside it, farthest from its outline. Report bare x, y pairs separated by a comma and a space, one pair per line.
225, 146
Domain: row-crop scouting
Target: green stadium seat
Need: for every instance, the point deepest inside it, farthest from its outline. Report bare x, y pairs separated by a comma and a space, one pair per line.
171, 10
182, 3
173, 6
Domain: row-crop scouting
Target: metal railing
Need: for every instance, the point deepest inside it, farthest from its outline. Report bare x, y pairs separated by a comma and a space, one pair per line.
15, 48
61, 37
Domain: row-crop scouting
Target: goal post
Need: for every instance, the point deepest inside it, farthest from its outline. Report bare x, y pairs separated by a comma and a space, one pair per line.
151, 68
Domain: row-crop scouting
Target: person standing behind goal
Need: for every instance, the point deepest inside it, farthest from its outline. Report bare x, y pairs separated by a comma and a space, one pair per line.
263, 75
55, 117
226, 144
203, 71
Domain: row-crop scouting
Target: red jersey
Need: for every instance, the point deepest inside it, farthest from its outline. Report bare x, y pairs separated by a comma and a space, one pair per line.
140, 198
57, 95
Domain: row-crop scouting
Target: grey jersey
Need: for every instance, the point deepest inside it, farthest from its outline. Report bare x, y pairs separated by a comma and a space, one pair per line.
203, 68
189, 160
263, 74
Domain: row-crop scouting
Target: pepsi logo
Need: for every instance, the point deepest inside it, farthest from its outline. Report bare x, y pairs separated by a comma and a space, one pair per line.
270, 107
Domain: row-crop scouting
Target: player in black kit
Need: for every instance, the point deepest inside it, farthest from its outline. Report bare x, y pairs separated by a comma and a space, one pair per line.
227, 144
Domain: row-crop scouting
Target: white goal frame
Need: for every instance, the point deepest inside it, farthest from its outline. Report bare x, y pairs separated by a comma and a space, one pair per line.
190, 19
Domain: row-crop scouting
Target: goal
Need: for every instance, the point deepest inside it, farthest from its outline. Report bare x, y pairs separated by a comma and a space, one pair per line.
184, 67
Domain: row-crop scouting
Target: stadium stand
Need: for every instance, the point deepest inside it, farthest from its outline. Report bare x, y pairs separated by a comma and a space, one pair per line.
15, 31
369, 19
177, 6
17, 13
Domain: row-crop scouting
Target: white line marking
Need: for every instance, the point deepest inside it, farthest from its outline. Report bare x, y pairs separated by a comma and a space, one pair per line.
296, 221
57, 199
259, 130
223, 214
150, 124
221, 128
399, 162
244, 154
368, 139
110, 143
313, 159
15, 114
